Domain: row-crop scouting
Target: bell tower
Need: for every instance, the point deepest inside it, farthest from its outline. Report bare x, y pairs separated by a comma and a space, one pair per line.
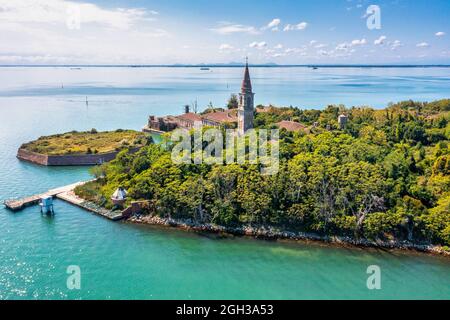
246, 103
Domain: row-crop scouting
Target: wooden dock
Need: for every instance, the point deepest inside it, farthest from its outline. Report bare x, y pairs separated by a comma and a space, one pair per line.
19, 204
66, 194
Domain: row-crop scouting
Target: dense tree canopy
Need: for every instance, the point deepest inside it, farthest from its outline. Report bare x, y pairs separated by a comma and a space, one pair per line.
385, 176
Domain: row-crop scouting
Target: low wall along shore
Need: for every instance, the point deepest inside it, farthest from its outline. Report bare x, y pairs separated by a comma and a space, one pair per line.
67, 160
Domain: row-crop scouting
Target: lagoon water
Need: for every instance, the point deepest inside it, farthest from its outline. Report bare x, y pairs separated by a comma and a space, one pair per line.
121, 261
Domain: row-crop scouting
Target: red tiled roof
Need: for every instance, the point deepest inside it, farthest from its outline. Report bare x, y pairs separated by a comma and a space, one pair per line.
190, 117
221, 116
291, 126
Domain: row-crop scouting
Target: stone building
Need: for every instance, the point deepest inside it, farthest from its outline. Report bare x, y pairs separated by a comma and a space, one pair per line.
342, 121
163, 124
243, 116
246, 104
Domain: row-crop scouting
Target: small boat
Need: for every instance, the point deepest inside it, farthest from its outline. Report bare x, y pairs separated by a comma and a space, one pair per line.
205, 69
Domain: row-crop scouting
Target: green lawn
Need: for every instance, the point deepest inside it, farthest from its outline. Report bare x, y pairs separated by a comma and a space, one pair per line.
86, 142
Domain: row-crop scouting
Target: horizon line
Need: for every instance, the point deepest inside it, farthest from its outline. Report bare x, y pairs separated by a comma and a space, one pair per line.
233, 65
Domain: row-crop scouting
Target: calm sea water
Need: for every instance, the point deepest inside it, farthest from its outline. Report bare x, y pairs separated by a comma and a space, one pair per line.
120, 261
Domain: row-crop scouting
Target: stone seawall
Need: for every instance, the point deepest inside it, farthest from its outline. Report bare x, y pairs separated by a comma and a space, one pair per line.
269, 233
67, 160
34, 157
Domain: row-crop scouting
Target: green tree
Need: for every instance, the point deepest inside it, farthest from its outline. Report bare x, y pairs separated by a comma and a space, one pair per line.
233, 102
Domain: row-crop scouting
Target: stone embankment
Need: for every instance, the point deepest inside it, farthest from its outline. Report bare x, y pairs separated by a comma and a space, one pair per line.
269, 233
67, 160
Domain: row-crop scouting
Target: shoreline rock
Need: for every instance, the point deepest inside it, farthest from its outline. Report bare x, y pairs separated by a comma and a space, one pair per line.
269, 233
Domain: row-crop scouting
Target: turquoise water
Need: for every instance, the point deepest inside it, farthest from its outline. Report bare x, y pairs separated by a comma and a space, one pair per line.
120, 261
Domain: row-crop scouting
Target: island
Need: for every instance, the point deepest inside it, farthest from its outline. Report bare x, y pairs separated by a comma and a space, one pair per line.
81, 148
358, 175
362, 176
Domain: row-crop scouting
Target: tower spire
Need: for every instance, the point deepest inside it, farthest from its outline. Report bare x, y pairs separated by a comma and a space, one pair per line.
246, 83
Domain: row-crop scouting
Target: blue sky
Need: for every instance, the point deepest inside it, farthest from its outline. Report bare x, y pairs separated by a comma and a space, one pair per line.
200, 31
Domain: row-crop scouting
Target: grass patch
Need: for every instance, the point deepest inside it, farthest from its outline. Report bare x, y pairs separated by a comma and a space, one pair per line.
90, 142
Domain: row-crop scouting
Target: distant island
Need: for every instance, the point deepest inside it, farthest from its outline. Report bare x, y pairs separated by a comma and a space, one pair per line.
81, 148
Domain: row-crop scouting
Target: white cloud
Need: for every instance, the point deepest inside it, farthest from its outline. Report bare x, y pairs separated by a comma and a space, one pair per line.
258, 45
294, 50
422, 45
440, 34
40, 31
325, 53
60, 11
359, 42
380, 40
273, 25
226, 47
292, 27
33, 59
394, 45
320, 46
346, 47
278, 46
343, 46
227, 28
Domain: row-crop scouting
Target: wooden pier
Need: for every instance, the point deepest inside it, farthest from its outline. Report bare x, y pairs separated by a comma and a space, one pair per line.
66, 194
19, 204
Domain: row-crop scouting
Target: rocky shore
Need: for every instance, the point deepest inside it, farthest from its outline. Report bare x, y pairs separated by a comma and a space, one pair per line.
269, 233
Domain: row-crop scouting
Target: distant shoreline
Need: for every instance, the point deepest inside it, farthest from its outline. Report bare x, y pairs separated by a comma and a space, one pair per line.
363, 66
